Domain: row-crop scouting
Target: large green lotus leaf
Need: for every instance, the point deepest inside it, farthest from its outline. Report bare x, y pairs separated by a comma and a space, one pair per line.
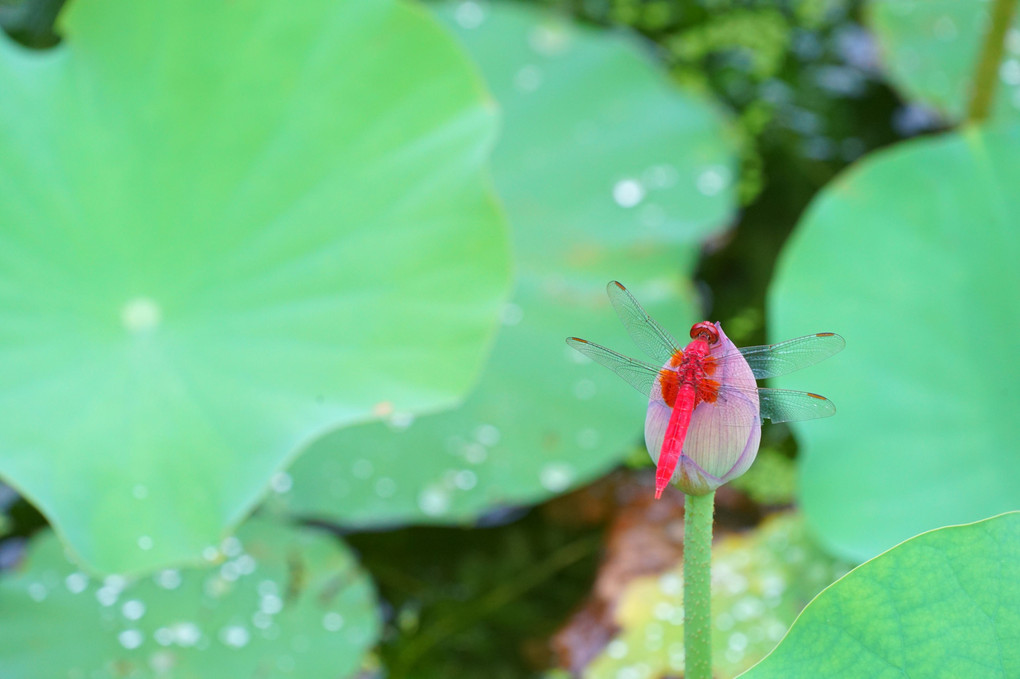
912, 256
942, 604
931, 49
281, 602
607, 172
224, 229
760, 582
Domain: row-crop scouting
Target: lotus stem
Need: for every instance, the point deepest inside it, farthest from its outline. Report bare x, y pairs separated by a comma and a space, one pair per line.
698, 585
986, 74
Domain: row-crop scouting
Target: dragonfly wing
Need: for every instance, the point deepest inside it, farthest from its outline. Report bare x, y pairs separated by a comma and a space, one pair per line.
773, 360
638, 374
783, 405
653, 339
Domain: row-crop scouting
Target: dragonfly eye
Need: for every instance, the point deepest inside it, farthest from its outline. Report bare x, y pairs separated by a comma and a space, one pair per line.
705, 331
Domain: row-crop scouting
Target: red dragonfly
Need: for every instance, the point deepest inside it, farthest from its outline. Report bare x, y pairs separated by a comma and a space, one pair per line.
704, 408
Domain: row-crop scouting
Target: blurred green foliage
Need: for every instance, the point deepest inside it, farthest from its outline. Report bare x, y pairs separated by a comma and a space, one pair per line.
932, 48
924, 292
159, 376
477, 602
791, 71
605, 172
31, 21
277, 601
771, 480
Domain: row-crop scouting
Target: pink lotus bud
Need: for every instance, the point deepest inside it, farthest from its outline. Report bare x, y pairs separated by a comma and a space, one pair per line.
724, 431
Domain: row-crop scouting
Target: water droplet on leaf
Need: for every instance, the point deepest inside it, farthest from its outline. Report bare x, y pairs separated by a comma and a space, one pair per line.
168, 579
130, 639
37, 591
133, 609
469, 15
465, 479
475, 453
528, 78
660, 176
549, 39
617, 649
281, 482
511, 314
76, 582
434, 501
271, 604
186, 634
628, 192
140, 315
235, 636
713, 180
385, 487
401, 421
556, 476
1009, 72
245, 564
362, 469
332, 621
487, 435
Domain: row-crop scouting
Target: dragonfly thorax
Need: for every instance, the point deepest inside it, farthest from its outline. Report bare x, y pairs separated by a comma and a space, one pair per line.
693, 367
697, 363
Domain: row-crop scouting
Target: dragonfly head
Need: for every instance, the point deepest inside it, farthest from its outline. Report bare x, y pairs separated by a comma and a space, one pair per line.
705, 331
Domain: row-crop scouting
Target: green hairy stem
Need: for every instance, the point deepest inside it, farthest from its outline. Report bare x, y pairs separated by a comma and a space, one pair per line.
698, 585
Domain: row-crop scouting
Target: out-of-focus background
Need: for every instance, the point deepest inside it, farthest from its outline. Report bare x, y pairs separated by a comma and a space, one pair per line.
284, 289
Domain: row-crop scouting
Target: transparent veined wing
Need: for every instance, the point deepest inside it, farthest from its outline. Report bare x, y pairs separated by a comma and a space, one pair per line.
784, 405
651, 337
773, 360
638, 374
775, 405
